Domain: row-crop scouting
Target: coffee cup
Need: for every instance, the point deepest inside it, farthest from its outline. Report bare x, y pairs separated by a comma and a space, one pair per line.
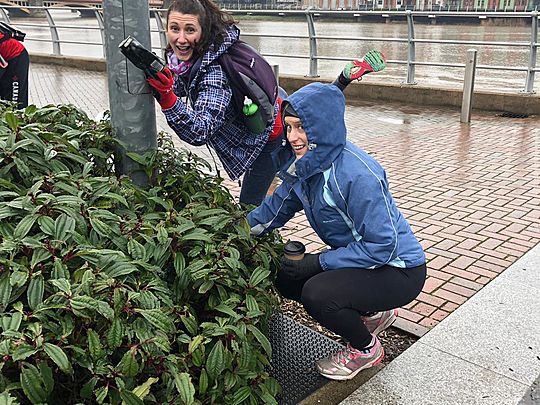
294, 250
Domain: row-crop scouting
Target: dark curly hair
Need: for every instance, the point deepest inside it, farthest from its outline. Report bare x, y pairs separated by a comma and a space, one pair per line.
212, 19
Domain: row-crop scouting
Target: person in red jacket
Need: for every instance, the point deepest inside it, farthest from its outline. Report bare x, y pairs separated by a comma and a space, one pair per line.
14, 64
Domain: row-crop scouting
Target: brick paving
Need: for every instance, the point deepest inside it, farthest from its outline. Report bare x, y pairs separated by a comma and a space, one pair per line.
470, 192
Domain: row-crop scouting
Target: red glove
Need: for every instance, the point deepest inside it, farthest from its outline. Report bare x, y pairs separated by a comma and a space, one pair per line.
163, 88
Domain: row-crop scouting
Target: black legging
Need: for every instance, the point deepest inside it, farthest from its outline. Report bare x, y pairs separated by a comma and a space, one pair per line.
14, 80
337, 298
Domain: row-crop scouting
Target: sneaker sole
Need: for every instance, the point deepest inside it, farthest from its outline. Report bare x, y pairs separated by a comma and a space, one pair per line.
354, 373
389, 321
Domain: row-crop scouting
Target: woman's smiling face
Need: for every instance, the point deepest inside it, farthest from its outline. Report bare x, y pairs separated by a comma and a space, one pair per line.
296, 135
183, 33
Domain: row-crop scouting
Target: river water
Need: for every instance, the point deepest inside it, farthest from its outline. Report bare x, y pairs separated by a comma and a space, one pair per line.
394, 74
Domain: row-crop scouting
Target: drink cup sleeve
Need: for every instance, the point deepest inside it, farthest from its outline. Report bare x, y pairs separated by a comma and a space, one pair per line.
294, 250
295, 257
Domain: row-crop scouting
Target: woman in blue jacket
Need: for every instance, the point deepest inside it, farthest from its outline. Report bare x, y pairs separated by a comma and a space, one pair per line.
374, 264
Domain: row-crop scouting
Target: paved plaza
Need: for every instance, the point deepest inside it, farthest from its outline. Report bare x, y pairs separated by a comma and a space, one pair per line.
470, 192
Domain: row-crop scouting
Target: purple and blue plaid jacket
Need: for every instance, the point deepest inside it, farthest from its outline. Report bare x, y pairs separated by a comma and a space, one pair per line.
212, 119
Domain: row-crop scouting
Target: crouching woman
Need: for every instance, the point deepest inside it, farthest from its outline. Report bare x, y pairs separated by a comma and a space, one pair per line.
374, 265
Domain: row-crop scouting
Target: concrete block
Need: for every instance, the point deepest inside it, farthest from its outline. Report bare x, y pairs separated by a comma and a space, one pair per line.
425, 375
498, 330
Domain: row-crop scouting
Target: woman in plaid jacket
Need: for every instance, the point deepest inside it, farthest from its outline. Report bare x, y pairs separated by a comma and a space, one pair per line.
197, 105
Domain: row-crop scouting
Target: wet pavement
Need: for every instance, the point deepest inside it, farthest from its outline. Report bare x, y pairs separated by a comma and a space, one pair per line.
487, 352
470, 192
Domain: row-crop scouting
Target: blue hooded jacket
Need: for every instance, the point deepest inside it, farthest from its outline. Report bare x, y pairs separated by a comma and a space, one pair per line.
342, 190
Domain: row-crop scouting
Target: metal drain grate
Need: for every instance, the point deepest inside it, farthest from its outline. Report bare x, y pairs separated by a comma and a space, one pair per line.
512, 115
295, 348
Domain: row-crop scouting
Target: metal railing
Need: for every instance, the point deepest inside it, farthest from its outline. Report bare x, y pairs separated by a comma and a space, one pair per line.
390, 6
313, 38
55, 40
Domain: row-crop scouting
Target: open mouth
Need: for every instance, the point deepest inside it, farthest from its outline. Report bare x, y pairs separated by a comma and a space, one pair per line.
298, 148
183, 50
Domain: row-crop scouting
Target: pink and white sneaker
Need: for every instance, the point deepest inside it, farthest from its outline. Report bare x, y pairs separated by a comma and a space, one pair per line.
349, 361
380, 321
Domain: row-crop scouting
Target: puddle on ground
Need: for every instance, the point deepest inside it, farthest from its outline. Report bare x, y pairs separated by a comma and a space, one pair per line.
395, 121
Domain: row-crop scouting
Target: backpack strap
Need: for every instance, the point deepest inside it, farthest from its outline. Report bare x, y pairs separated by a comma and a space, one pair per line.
194, 69
193, 72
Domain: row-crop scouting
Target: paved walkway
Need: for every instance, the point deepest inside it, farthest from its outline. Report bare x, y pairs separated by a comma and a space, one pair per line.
470, 192
486, 352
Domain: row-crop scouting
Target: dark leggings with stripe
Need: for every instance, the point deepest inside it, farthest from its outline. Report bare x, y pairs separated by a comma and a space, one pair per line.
14, 80
337, 298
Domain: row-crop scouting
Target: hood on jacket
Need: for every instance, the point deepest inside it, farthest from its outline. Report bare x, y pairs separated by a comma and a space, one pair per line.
321, 107
231, 35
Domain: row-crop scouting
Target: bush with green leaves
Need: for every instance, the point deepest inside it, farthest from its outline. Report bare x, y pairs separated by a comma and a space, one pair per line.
115, 294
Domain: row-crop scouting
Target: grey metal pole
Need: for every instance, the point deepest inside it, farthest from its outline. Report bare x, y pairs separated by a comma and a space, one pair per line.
161, 30
4, 15
99, 19
313, 61
468, 85
54, 33
411, 49
133, 115
533, 50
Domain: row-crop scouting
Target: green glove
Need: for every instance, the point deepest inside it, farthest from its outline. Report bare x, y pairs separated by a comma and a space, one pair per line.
373, 61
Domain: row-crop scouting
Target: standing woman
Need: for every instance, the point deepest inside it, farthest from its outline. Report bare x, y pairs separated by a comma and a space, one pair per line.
198, 105
14, 64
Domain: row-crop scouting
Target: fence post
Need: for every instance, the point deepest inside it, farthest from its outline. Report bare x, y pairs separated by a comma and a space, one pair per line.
312, 45
529, 83
5, 16
54, 33
161, 29
411, 49
99, 18
468, 86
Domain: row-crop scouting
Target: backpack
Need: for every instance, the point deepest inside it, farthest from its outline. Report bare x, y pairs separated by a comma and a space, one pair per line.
249, 75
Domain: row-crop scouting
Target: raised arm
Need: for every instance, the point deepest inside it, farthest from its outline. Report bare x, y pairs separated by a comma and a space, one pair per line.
373, 61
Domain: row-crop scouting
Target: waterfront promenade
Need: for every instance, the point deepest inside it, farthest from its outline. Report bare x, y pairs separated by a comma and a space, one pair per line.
470, 192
